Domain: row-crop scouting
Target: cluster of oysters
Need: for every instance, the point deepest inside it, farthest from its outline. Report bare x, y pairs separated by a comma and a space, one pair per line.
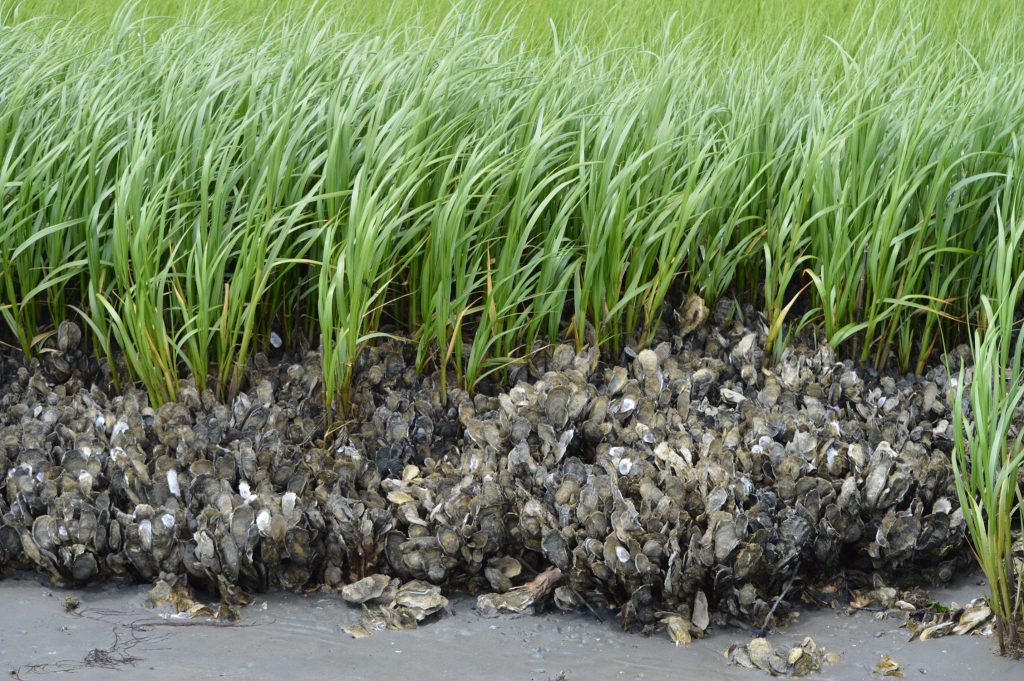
388, 604
698, 466
801, 660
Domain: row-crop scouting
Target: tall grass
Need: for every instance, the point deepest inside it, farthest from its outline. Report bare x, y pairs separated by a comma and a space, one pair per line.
549, 25
989, 451
477, 183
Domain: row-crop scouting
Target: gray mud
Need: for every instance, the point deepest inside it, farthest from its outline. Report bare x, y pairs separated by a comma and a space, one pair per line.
300, 636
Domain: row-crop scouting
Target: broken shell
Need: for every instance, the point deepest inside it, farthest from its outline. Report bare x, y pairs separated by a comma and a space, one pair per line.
937, 631
512, 602
678, 629
691, 314
421, 597
886, 666
700, 616
763, 656
972, 617
365, 589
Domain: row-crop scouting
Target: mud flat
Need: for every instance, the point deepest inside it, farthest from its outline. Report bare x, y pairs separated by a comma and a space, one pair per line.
302, 634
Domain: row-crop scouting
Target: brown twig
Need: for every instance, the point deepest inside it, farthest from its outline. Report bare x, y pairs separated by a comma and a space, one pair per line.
575, 593
542, 584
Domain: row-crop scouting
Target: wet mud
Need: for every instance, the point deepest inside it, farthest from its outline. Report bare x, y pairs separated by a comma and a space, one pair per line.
282, 635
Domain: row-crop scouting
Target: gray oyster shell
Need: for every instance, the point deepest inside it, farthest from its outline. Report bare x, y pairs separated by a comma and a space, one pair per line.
693, 479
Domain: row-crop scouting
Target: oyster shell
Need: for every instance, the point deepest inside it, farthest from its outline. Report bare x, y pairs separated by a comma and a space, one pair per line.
521, 599
366, 589
802, 660
694, 479
420, 598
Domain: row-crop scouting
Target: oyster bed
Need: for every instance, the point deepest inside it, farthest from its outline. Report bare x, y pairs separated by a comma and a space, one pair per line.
695, 471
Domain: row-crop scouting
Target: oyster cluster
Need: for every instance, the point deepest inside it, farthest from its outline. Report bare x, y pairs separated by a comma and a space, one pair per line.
922, 616
694, 467
802, 660
388, 604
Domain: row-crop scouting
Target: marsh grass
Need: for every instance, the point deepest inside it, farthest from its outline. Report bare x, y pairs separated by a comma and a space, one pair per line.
478, 184
988, 448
